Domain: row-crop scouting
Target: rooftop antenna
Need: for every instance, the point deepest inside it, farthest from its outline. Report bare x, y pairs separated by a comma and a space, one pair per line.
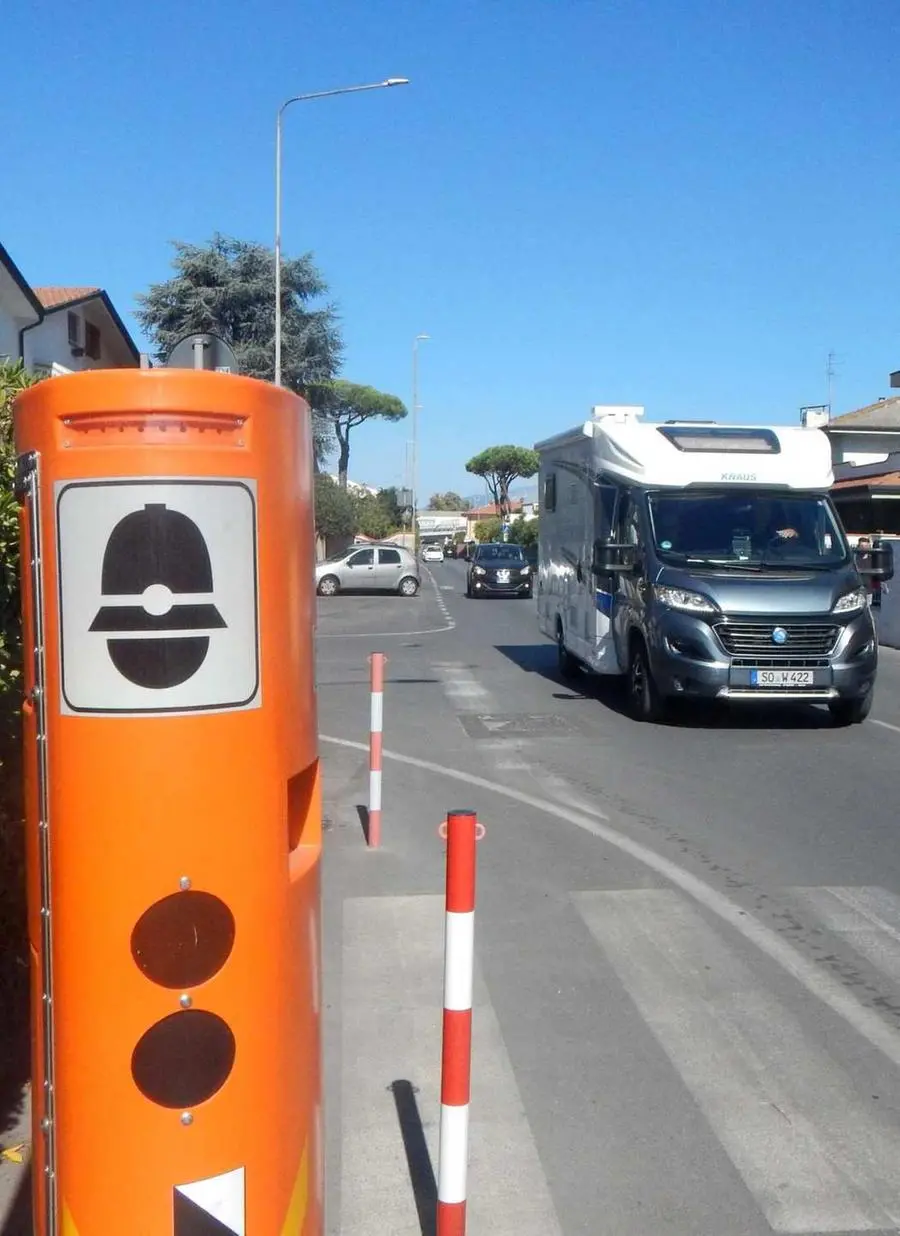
830, 374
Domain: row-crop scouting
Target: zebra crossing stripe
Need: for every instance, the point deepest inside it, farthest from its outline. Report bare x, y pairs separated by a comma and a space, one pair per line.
813, 1154
867, 918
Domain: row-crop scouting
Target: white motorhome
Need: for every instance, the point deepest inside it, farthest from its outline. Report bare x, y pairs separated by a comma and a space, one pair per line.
700, 560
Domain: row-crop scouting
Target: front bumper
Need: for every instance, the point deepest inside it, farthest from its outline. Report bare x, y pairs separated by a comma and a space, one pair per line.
489, 585
688, 659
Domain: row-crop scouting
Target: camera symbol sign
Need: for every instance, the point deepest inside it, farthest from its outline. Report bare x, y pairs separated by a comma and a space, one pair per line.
158, 596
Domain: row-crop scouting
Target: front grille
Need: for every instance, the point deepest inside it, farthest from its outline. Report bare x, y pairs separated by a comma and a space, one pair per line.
767, 662
753, 640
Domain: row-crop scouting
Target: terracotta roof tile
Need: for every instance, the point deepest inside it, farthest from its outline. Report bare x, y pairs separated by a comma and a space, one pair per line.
884, 414
515, 507
887, 480
54, 297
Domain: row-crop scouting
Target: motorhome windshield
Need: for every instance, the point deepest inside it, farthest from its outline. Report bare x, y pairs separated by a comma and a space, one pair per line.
746, 527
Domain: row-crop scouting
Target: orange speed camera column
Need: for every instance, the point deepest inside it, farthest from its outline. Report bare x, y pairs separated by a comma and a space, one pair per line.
173, 804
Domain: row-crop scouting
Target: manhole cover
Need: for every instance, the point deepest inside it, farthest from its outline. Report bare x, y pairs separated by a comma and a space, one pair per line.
513, 725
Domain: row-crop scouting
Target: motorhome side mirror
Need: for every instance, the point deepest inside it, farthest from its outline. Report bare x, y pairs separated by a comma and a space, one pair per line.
881, 562
610, 559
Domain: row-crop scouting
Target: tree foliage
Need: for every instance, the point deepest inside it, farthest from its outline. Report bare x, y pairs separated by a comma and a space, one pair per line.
341, 513
374, 517
499, 466
347, 405
13, 379
524, 532
227, 288
487, 530
389, 498
449, 501
336, 512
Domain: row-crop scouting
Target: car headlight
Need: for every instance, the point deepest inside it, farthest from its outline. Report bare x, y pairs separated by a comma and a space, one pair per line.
684, 599
479, 571
526, 570
850, 601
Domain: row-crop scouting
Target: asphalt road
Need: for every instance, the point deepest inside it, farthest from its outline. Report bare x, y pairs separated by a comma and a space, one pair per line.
687, 1008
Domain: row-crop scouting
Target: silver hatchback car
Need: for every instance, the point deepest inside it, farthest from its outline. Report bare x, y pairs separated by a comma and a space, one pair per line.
370, 568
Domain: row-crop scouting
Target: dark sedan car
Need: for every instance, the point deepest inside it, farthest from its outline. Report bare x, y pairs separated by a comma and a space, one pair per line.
499, 570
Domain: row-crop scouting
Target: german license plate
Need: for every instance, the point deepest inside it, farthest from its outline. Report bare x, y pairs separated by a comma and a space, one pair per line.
782, 678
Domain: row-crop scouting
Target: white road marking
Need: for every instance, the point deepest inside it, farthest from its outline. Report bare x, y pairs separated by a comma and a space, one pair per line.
867, 918
817, 982
885, 725
815, 1158
460, 684
392, 950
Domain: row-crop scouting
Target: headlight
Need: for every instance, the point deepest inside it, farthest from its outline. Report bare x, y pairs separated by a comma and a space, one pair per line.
526, 570
850, 601
681, 598
480, 571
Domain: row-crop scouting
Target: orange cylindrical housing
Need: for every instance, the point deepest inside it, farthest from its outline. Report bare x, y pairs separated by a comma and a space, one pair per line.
173, 803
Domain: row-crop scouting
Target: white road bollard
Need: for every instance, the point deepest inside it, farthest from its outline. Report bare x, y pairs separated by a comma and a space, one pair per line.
377, 662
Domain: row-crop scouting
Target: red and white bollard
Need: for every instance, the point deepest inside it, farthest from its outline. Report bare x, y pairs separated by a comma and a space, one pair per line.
376, 723
463, 832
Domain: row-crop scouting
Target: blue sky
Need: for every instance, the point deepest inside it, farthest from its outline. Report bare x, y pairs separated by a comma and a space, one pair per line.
678, 203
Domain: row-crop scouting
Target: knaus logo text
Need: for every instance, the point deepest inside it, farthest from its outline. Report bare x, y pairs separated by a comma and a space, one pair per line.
738, 476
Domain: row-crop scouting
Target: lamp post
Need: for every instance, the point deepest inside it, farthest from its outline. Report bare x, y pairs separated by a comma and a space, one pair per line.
415, 438
303, 98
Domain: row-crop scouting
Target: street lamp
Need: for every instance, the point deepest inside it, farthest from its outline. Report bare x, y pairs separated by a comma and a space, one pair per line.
303, 98
415, 438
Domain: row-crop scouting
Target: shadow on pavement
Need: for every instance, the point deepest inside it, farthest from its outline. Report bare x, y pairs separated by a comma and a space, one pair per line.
363, 813
418, 1160
609, 692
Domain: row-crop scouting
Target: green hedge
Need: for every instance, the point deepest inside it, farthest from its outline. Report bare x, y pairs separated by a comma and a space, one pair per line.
13, 938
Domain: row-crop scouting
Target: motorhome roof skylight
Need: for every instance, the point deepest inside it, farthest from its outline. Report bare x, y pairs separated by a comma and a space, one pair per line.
721, 440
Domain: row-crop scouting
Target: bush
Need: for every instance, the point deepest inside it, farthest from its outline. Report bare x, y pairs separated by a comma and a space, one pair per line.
13, 379
13, 935
336, 509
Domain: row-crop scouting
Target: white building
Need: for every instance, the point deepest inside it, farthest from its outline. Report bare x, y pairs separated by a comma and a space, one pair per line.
79, 329
60, 329
19, 308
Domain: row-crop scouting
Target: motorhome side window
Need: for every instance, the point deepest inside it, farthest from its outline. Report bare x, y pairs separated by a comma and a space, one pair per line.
631, 524
605, 499
548, 501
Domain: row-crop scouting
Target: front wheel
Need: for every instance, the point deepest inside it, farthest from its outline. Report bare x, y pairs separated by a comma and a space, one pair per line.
644, 700
328, 586
851, 712
408, 586
568, 666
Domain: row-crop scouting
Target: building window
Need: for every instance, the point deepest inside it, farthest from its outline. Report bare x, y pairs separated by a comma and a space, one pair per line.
73, 322
92, 340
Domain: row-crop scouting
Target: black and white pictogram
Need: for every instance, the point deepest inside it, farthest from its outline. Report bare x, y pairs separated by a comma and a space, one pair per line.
211, 1207
158, 596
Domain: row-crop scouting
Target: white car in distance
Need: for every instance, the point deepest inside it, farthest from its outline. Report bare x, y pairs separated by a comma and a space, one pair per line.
432, 553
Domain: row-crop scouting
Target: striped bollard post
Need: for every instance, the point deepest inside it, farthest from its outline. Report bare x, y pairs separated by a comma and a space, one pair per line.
376, 722
456, 1055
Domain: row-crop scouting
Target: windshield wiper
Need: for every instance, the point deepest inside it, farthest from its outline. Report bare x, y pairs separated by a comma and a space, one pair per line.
730, 564
776, 564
